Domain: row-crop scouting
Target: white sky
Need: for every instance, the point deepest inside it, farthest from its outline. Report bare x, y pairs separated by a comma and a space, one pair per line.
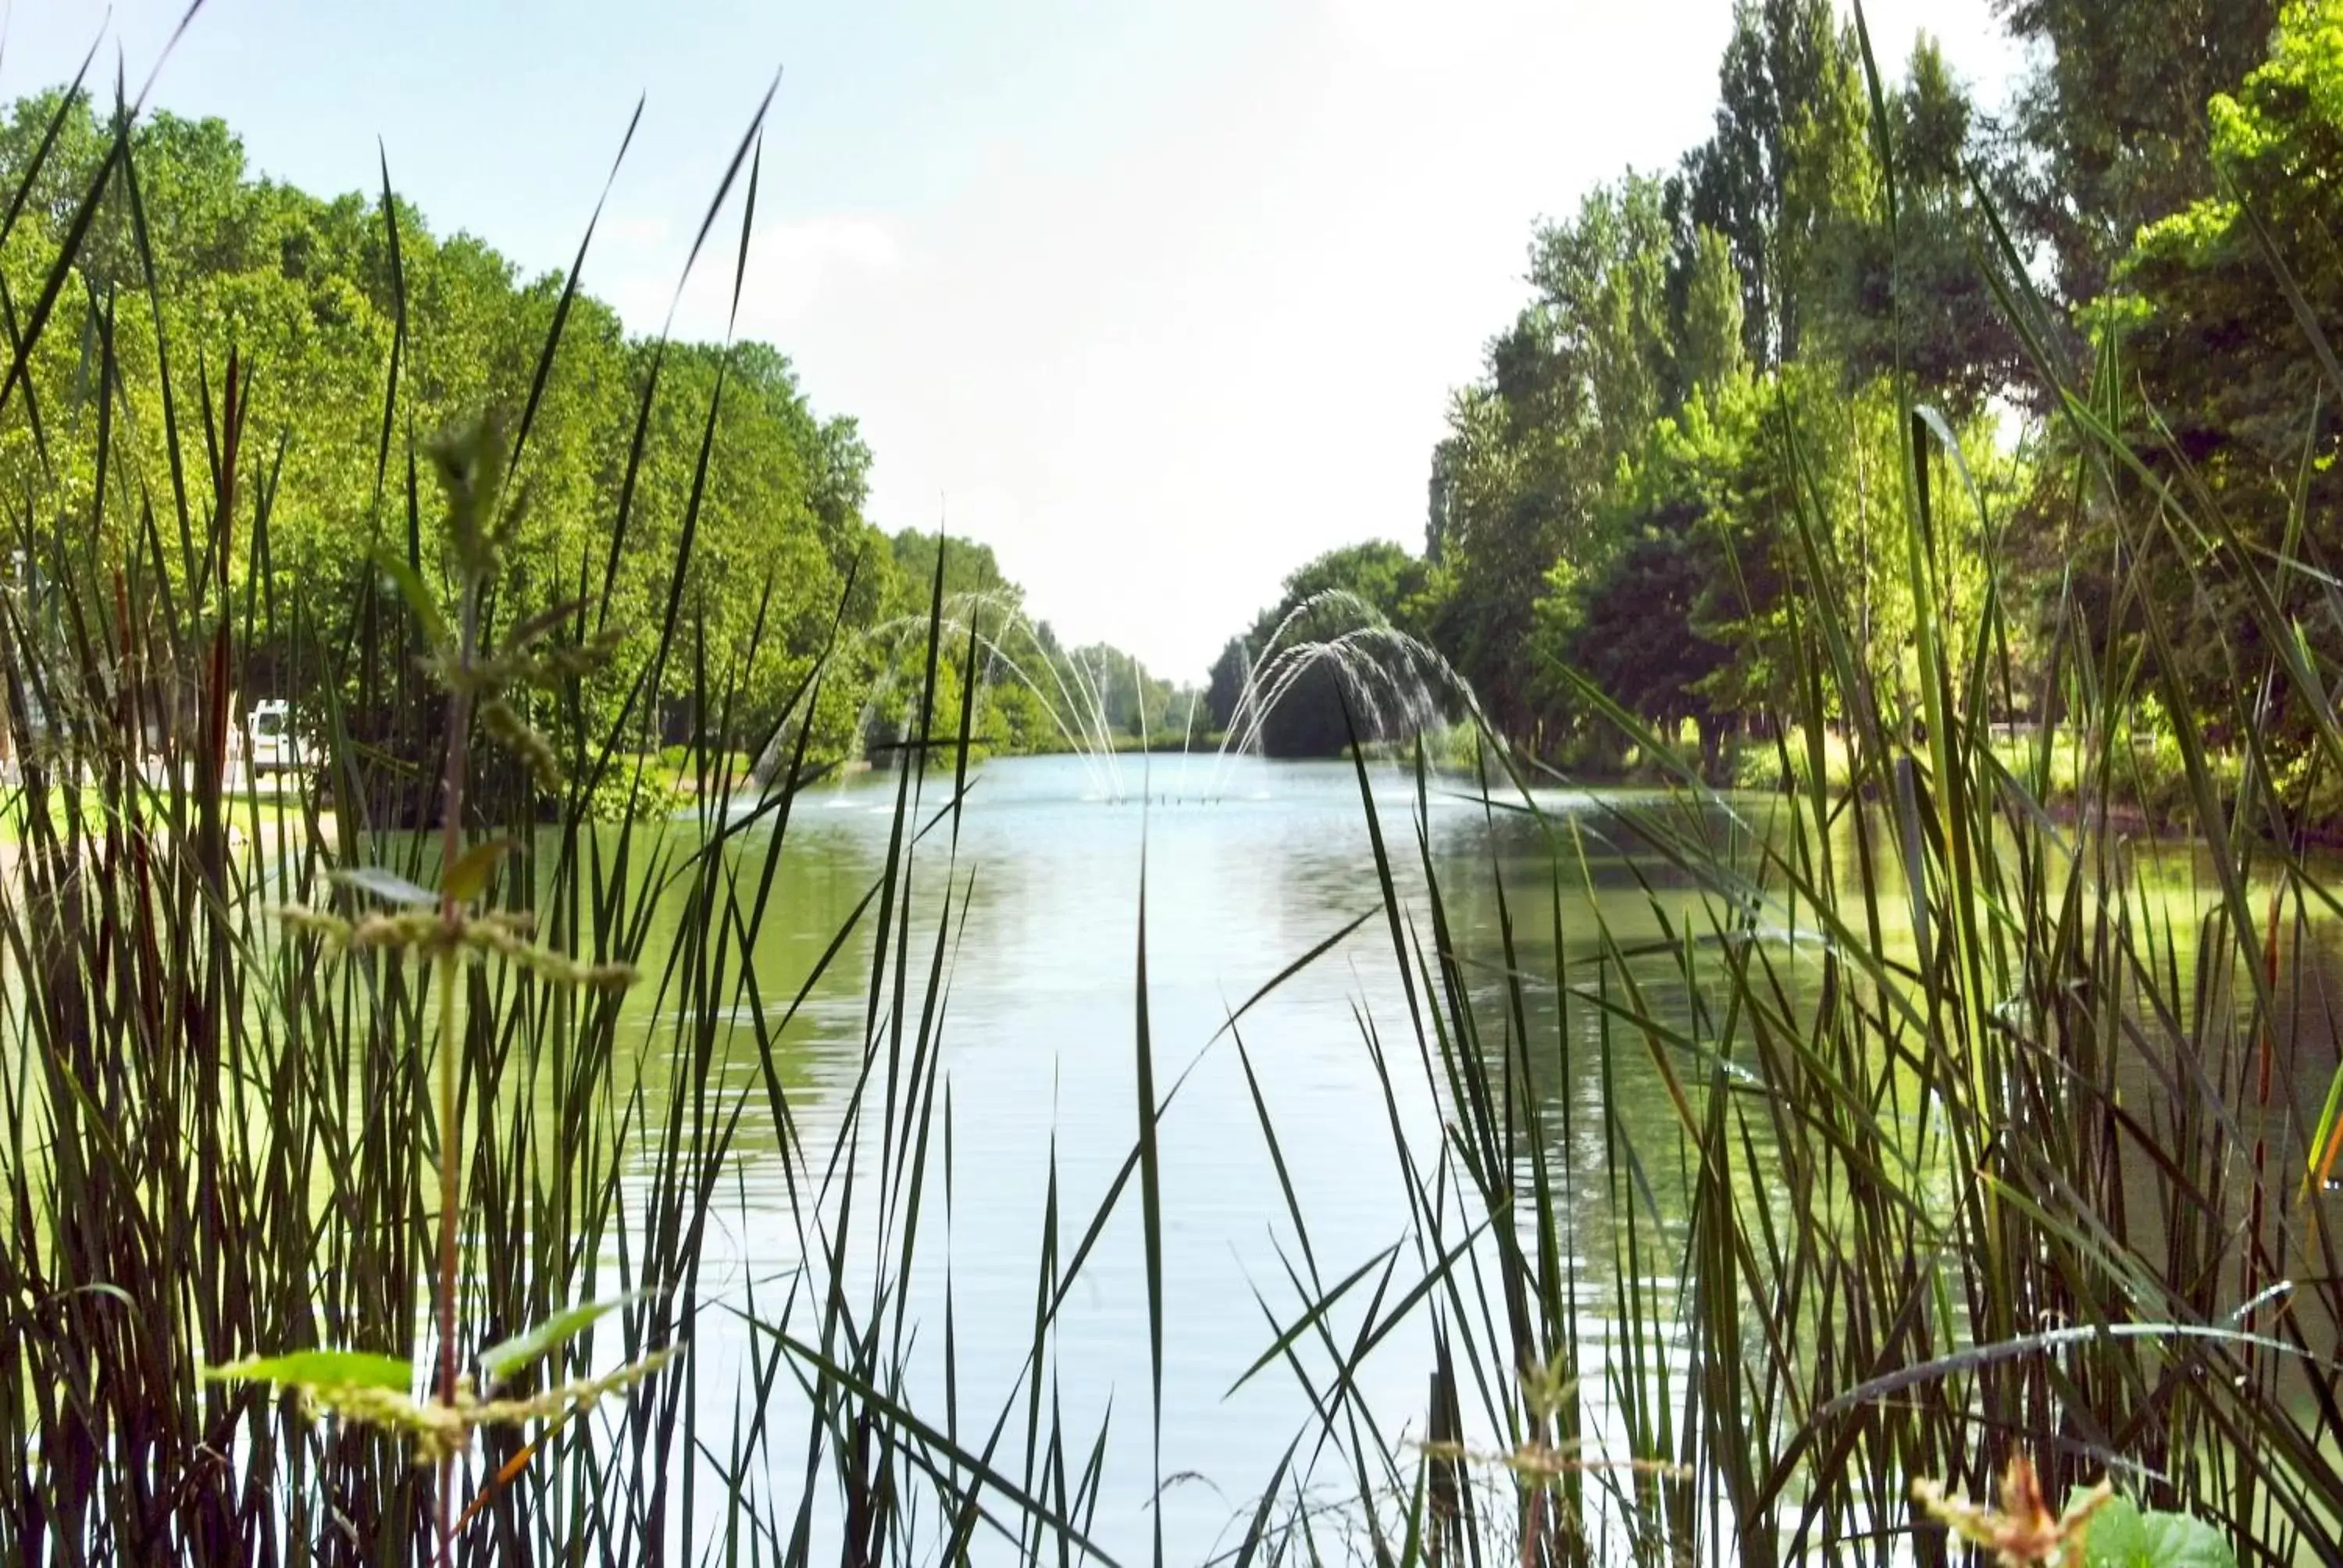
1159, 300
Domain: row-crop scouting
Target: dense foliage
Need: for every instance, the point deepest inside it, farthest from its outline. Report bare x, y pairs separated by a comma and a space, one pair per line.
1694, 415
191, 258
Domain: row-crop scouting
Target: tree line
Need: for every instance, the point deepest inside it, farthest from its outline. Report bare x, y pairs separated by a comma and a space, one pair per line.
1711, 352
355, 333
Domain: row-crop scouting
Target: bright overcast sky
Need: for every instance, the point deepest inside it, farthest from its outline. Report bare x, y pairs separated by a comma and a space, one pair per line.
1159, 300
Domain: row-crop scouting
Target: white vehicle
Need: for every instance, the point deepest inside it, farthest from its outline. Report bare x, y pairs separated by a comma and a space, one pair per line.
271, 743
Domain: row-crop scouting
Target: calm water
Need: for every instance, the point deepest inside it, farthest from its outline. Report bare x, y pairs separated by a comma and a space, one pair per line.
1247, 867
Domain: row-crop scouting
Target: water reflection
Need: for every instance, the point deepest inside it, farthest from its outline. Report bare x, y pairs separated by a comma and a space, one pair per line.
1040, 956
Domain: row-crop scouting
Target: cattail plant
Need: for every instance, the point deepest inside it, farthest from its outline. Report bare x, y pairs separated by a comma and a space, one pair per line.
445, 929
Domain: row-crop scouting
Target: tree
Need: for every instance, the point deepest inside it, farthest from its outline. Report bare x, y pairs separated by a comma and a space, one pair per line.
1671, 619
1788, 150
2220, 372
1530, 447
2215, 343
1712, 351
302, 290
1225, 688
1506, 500
970, 569
2114, 118
1601, 281
1917, 301
1706, 375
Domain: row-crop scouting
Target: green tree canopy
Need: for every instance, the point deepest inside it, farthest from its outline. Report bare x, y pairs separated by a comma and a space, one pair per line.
308, 296
2113, 122
2214, 339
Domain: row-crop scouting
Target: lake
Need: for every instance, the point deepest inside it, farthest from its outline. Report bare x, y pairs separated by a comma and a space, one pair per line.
941, 1037
1247, 867
1026, 910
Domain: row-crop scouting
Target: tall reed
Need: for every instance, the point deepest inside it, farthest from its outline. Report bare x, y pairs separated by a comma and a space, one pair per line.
1983, 1138
1990, 1139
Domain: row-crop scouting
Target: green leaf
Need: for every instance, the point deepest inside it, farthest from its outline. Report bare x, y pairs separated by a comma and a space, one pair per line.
2115, 1537
504, 1359
320, 1369
468, 876
2121, 1536
420, 597
538, 625
2177, 1541
385, 884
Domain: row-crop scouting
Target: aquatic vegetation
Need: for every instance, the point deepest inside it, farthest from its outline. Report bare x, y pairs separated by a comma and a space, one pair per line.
442, 926
1979, 1132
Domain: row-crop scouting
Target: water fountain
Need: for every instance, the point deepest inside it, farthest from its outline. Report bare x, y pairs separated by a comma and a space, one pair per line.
1397, 685
1012, 647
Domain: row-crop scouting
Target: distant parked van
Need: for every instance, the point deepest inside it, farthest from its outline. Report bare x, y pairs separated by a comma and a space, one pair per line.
271, 743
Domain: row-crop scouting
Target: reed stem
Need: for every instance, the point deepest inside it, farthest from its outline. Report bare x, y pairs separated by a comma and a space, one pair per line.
450, 1146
